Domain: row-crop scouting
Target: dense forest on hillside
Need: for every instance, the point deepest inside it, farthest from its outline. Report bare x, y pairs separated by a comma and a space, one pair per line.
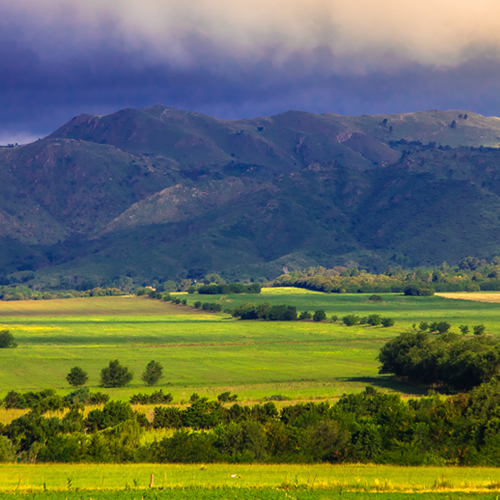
159, 194
472, 274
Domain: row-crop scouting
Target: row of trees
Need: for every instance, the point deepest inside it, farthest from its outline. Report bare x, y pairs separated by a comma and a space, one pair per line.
9, 293
116, 375
370, 427
471, 275
224, 289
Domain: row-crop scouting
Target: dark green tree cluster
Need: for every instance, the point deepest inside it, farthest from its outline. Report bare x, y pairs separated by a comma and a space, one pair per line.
48, 399
265, 311
471, 274
370, 427
156, 398
22, 292
455, 362
371, 320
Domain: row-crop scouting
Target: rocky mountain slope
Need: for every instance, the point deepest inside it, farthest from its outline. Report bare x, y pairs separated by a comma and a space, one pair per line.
162, 193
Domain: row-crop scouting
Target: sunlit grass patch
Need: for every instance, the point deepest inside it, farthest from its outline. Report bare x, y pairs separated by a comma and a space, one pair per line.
299, 478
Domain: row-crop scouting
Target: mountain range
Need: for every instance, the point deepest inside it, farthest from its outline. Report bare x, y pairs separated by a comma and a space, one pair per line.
159, 193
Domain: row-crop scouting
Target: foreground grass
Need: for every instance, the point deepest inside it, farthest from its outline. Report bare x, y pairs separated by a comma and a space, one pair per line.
246, 494
58, 477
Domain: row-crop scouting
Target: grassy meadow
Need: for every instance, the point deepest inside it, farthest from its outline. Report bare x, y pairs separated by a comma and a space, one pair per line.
62, 477
210, 353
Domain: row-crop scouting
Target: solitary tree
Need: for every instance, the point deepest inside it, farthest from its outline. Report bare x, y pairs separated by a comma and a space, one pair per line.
479, 329
77, 376
152, 373
115, 375
6, 339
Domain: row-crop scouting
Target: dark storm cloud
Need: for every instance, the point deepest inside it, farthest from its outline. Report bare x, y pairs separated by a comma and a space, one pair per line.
49, 74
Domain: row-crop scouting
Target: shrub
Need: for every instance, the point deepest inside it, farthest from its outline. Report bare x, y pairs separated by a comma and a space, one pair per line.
305, 315
197, 304
115, 375
464, 329
153, 373
83, 396
319, 315
209, 306
276, 397
282, 313
350, 320
151, 399
386, 322
6, 340
375, 298
112, 414
479, 329
77, 377
442, 327
374, 319
418, 290
423, 325
472, 288
334, 317
226, 397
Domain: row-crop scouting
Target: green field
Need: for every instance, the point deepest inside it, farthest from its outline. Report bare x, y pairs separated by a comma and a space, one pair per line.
246, 494
55, 477
211, 353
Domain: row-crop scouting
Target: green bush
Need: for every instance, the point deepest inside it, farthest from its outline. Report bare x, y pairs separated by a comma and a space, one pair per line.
153, 373
464, 329
319, 315
374, 319
77, 377
418, 290
350, 319
7, 340
226, 397
157, 397
115, 375
387, 322
479, 329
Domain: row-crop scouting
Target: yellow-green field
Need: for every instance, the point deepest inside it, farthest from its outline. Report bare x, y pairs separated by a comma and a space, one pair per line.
351, 477
211, 353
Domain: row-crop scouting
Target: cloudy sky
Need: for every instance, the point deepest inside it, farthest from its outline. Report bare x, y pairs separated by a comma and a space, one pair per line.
242, 58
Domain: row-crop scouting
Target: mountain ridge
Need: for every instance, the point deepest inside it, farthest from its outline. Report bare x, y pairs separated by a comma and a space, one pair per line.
175, 193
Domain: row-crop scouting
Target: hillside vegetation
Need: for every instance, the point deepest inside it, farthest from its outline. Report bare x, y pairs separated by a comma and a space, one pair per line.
162, 193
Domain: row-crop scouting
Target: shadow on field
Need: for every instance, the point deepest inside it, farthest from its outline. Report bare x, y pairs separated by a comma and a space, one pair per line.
389, 383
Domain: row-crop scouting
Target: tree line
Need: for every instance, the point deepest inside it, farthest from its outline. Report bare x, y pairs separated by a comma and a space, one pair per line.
470, 275
370, 427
